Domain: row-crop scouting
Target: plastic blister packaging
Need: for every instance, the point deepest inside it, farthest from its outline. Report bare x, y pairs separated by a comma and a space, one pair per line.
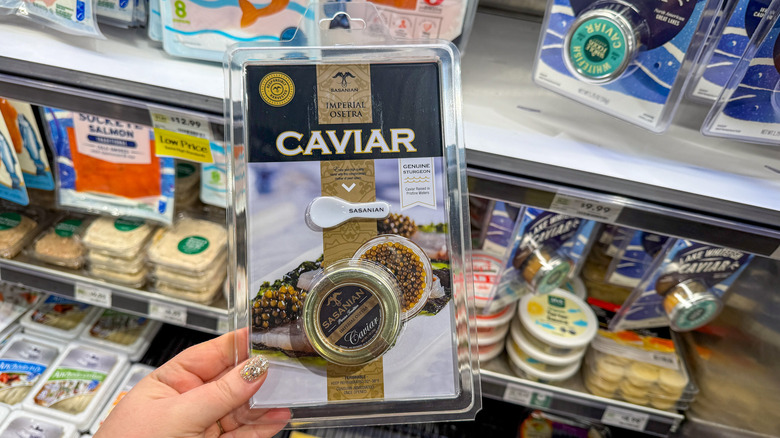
121, 332
120, 13
61, 244
684, 288
213, 178
190, 246
15, 301
630, 59
187, 178
30, 424
748, 109
58, 318
725, 47
75, 17
87, 165
547, 248
353, 279
636, 254
76, 386
18, 227
133, 376
122, 238
155, 21
23, 359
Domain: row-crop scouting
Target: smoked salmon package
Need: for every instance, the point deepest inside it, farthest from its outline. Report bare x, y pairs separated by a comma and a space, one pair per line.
347, 207
12, 185
108, 166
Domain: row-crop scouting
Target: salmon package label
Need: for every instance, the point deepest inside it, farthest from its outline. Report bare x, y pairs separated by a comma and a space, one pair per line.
353, 181
109, 166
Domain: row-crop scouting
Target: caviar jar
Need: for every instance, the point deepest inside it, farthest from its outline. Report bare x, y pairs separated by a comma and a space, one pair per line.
408, 264
352, 313
602, 42
690, 305
543, 269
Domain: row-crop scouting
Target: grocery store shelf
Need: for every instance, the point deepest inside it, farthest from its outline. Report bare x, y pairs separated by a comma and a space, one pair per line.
571, 398
212, 319
695, 427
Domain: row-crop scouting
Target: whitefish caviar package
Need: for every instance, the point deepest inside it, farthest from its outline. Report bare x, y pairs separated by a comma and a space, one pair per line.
684, 289
363, 305
749, 107
635, 255
547, 248
722, 55
629, 59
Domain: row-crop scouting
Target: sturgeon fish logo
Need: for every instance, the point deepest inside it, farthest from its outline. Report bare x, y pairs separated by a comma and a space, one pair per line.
250, 14
334, 299
343, 75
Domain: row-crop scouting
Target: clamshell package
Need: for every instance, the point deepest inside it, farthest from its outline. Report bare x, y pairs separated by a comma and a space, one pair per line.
357, 288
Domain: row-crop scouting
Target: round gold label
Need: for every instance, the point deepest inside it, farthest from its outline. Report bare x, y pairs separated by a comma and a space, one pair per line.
277, 89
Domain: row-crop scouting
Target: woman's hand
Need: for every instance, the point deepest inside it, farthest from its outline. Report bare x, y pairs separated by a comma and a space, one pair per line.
198, 393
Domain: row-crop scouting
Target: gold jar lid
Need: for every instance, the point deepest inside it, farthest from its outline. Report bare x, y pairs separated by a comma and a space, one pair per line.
352, 313
690, 305
545, 270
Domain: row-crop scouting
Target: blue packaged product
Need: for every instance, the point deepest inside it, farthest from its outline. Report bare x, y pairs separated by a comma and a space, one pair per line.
546, 249
749, 107
32, 159
204, 30
634, 257
22, 361
213, 185
629, 59
684, 289
92, 150
119, 13
721, 59
12, 185
498, 235
155, 21
75, 17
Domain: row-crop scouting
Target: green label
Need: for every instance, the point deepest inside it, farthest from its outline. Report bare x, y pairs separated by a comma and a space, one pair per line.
74, 374
696, 315
193, 245
553, 279
556, 301
68, 227
597, 48
9, 220
127, 224
184, 170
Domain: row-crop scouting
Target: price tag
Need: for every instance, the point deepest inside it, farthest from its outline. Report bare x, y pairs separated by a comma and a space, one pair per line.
576, 206
167, 312
624, 418
181, 135
527, 396
91, 294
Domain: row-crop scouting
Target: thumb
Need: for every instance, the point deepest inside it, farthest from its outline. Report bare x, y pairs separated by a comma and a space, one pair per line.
204, 405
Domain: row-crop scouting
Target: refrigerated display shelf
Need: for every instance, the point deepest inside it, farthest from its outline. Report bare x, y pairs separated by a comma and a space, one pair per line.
571, 398
23, 270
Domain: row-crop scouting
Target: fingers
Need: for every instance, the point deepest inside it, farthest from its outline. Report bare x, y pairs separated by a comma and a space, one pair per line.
269, 425
204, 361
210, 402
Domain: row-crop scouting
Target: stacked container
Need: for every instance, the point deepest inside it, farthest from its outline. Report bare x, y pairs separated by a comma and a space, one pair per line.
189, 261
491, 332
549, 336
117, 250
17, 227
61, 245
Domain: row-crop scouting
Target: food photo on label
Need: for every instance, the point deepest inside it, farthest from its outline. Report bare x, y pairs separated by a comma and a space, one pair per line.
22, 361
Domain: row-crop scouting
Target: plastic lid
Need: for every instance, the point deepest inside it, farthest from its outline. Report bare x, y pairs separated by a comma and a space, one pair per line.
541, 356
559, 319
691, 305
491, 335
576, 286
490, 352
548, 376
501, 317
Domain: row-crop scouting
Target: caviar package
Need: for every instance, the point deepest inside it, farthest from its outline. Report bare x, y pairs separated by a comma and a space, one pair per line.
33, 159
57, 317
12, 185
684, 289
500, 224
748, 107
547, 248
629, 59
22, 361
61, 244
90, 152
722, 55
351, 268
634, 257
75, 387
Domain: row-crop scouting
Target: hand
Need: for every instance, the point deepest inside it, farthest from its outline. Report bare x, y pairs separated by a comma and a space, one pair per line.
187, 396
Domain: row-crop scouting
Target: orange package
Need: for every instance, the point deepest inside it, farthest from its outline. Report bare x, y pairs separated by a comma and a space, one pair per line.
11, 118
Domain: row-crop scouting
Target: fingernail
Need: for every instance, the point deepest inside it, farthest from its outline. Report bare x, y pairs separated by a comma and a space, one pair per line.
254, 368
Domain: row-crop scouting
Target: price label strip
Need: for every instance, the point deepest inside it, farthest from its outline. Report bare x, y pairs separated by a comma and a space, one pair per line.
166, 312
576, 206
91, 294
624, 418
181, 135
527, 396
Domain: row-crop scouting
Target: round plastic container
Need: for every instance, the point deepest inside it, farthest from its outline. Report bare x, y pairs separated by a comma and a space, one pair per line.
691, 305
491, 335
559, 319
490, 352
576, 286
486, 268
526, 371
543, 269
391, 245
539, 355
499, 318
525, 358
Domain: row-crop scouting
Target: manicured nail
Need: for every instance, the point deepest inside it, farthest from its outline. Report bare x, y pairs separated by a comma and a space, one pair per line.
254, 368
